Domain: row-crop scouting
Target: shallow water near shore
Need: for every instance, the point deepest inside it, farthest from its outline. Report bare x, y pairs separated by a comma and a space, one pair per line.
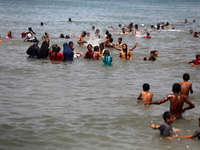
83, 104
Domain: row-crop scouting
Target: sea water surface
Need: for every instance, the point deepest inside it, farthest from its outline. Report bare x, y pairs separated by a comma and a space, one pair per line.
82, 104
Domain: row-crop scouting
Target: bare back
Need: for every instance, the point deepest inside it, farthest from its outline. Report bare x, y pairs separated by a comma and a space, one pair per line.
185, 88
146, 96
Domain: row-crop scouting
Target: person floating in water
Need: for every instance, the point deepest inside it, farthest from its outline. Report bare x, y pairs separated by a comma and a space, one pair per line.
186, 86
176, 102
148, 36
80, 40
145, 96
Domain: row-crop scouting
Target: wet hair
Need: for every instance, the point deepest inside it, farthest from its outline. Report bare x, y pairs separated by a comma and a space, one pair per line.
152, 26
120, 38
136, 26
167, 115
186, 76
119, 25
61, 35
107, 32
89, 45
102, 44
125, 50
41, 23
167, 23
106, 54
123, 29
96, 48
70, 42
148, 33
67, 37
84, 32
109, 35
97, 31
197, 55
152, 52
111, 40
56, 50
176, 88
93, 27
146, 86
10, 33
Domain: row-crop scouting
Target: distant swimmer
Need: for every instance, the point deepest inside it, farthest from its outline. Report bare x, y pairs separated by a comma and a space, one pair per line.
70, 20
80, 40
148, 36
196, 61
119, 27
152, 57
119, 43
9, 36
124, 31
195, 35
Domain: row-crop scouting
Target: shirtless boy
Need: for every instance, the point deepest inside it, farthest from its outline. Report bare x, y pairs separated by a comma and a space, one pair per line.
176, 102
119, 43
80, 40
145, 96
186, 86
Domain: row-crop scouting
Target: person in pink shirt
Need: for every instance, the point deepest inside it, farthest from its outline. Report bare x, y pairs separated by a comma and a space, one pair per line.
9, 36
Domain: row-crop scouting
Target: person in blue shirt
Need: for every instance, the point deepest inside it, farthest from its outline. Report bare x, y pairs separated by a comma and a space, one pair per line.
107, 59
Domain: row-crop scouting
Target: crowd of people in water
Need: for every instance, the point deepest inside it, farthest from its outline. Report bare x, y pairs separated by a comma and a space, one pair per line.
53, 52
180, 90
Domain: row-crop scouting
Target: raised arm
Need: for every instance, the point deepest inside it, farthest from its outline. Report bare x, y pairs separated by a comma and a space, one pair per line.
116, 47
133, 47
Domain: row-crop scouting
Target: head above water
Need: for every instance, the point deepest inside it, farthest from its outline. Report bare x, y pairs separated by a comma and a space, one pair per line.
89, 47
176, 88
146, 86
186, 76
96, 48
168, 117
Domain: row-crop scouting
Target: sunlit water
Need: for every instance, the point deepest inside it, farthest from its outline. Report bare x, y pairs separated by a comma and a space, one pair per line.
82, 104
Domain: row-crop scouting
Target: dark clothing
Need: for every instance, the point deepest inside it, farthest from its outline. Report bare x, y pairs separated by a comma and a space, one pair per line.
67, 53
152, 58
197, 134
33, 51
165, 130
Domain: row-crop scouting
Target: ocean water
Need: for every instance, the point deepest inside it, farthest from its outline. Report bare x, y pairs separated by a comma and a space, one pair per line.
83, 105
